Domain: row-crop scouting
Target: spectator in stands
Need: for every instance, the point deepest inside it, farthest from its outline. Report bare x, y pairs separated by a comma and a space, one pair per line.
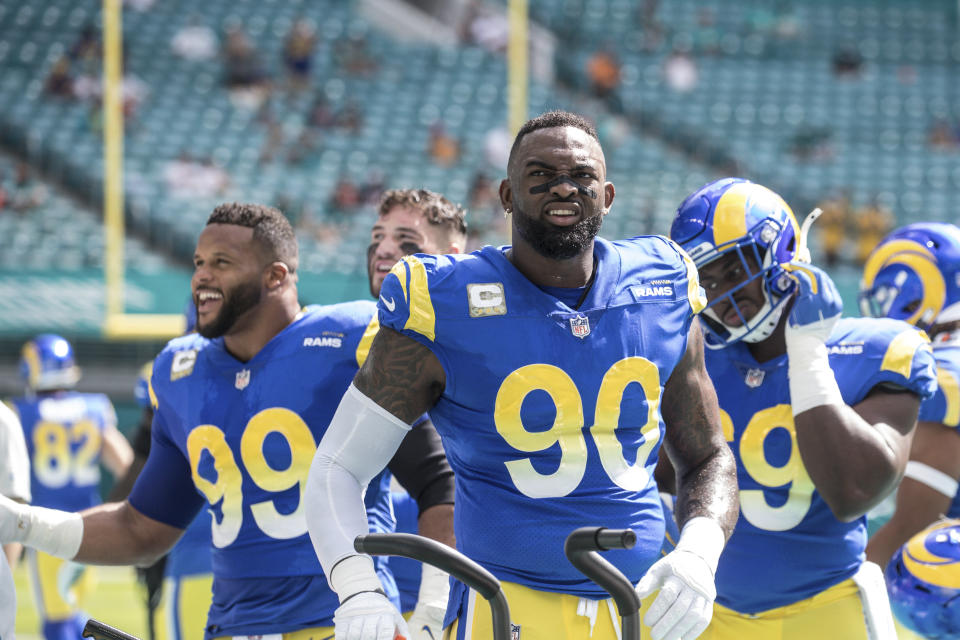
443, 148
244, 71
485, 28
195, 41
187, 177
847, 62
372, 188
603, 71
873, 221
298, 52
59, 83
496, 148
680, 71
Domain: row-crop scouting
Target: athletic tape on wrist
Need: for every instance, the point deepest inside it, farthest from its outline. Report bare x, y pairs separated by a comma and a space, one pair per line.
353, 575
57, 533
703, 537
812, 381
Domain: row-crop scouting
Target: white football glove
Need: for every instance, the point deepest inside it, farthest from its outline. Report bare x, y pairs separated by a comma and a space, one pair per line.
685, 578
368, 615
426, 622
365, 612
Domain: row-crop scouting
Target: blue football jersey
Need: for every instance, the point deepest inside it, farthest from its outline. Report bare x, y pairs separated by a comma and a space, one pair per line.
550, 416
944, 406
64, 434
240, 437
787, 545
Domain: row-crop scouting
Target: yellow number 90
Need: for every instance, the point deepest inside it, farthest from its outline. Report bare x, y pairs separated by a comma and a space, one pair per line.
567, 428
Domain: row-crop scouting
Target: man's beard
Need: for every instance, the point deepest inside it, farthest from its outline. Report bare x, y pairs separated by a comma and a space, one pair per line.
235, 303
557, 243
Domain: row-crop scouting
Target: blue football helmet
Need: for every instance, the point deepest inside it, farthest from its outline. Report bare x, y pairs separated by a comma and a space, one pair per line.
47, 363
141, 389
923, 581
914, 275
730, 215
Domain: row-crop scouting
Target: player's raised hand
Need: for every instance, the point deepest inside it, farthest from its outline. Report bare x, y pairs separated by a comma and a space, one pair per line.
685, 578
817, 305
369, 615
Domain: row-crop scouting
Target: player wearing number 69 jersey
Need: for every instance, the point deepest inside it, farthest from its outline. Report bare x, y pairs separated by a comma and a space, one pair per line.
554, 370
818, 411
68, 435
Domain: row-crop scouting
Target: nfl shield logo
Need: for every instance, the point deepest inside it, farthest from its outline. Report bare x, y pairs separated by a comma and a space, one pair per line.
754, 378
514, 631
243, 379
580, 326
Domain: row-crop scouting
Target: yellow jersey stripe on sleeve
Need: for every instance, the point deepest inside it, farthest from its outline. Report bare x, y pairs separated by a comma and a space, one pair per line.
950, 387
400, 270
363, 349
814, 283
422, 318
900, 352
695, 293
148, 373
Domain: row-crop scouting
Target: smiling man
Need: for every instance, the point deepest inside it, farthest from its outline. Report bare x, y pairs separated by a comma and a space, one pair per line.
550, 374
238, 410
818, 412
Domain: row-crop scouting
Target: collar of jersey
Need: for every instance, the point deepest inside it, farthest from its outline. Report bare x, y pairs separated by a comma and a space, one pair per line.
604, 285
224, 358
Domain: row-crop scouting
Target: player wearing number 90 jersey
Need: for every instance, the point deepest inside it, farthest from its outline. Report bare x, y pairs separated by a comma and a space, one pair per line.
525, 374
240, 436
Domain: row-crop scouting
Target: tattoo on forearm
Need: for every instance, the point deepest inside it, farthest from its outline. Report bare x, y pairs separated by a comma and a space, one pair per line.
401, 375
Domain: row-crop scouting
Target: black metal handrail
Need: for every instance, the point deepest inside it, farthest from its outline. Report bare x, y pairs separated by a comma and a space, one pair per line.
447, 559
581, 549
100, 631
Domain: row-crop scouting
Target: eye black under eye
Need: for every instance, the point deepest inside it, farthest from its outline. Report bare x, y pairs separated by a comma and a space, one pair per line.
409, 248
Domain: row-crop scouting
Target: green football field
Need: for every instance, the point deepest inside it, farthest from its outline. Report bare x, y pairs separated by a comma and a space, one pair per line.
118, 600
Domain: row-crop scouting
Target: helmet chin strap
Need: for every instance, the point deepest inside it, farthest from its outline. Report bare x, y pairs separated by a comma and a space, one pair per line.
769, 316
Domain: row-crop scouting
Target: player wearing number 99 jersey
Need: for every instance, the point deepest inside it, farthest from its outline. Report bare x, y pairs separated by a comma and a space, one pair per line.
818, 411
239, 410
239, 436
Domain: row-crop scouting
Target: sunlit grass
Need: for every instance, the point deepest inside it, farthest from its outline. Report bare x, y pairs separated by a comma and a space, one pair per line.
118, 601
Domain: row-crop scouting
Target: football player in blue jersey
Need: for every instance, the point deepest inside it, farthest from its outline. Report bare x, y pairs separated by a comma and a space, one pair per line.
914, 275
819, 412
238, 410
68, 435
550, 368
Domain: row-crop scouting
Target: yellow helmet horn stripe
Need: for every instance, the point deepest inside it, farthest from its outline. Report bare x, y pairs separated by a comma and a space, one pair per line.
729, 221
878, 259
932, 569
921, 261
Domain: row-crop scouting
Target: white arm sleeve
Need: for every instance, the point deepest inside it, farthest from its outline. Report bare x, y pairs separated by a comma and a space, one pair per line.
358, 444
14, 463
